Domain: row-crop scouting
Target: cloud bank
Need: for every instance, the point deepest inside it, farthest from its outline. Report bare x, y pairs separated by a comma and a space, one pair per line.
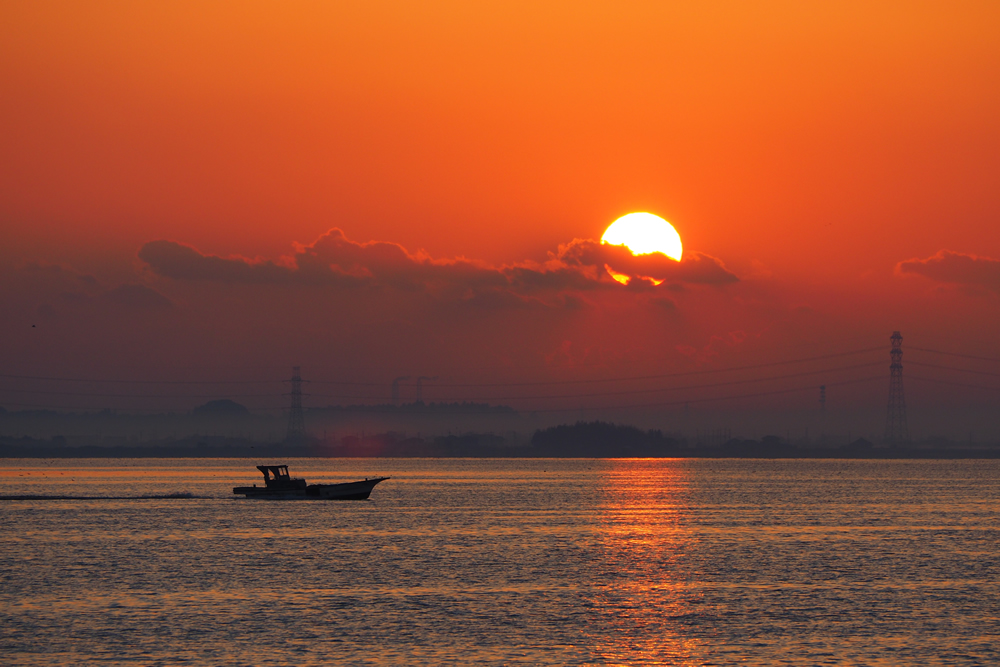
45, 283
947, 266
334, 260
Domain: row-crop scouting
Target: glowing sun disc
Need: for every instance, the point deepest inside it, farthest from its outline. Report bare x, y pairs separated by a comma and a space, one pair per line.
644, 233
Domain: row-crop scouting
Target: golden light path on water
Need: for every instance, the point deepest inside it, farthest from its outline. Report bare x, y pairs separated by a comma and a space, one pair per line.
641, 511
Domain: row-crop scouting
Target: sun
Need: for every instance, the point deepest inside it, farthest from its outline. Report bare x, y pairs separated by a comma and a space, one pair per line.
644, 233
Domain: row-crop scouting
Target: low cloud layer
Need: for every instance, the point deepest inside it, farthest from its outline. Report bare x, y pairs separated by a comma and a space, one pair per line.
694, 268
48, 284
956, 268
336, 261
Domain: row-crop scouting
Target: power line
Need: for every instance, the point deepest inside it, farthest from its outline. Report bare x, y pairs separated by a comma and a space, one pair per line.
955, 354
173, 411
499, 384
650, 391
94, 381
952, 368
708, 400
467, 384
667, 375
623, 379
660, 404
956, 384
73, 393
493, 411
483, 398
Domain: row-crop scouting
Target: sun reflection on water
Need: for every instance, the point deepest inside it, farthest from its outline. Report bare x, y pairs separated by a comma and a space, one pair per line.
641, 600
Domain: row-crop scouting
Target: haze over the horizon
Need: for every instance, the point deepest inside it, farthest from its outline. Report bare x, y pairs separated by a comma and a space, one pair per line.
374, 190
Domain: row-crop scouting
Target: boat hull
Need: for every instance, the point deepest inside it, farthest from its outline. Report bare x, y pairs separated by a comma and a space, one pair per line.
359, 490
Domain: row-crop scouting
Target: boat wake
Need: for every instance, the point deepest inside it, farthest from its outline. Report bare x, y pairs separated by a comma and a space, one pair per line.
177, 495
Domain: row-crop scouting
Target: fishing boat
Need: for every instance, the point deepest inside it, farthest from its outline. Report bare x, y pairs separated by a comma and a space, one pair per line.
279, 485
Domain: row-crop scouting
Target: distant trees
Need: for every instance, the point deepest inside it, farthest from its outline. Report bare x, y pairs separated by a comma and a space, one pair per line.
583, 439
601, 439
398, 445
223, 406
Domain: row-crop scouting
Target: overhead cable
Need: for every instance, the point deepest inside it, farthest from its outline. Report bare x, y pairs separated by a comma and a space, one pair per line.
644, 391
955, 384
468, 384
952, 368
485, 398
711, 399
953, 354
118, 381
491, 410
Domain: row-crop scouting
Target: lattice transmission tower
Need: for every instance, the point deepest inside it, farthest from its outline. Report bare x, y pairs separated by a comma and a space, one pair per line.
895, 418
822, 412
296, 422
395, 388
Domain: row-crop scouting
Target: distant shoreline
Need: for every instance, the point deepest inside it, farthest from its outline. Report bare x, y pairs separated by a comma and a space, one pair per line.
280, 451
582, 440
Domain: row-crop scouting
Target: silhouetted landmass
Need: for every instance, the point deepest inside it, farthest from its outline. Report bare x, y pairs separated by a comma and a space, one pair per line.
397, 445
601, 439
193, 447
421, 407
385, 445
580, 440
227, 418
222, 406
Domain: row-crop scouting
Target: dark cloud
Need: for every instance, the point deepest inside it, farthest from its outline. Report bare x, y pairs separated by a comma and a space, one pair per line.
664, 303
694, 267
56, 277
956, 268
335, 260
175, 260
556, 276
137, 297
331, 260
715, 347
69, 288
390, 265
493, 299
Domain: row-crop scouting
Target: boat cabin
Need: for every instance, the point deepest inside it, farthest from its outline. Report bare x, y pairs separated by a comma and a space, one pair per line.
280, 473
275, 474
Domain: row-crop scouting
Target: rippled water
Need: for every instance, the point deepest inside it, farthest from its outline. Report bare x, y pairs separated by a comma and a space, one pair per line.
504, 562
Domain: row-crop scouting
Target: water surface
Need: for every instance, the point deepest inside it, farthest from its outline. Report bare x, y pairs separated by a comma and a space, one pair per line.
503, 562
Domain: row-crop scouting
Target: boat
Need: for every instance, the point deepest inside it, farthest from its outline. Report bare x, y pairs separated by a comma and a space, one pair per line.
279, 485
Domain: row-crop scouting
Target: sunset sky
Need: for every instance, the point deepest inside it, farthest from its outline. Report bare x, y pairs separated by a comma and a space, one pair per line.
205, 191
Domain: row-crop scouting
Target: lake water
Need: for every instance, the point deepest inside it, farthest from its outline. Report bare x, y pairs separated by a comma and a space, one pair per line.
681, 562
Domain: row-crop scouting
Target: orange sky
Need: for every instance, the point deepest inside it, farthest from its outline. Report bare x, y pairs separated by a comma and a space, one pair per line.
784, 132
809, 148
